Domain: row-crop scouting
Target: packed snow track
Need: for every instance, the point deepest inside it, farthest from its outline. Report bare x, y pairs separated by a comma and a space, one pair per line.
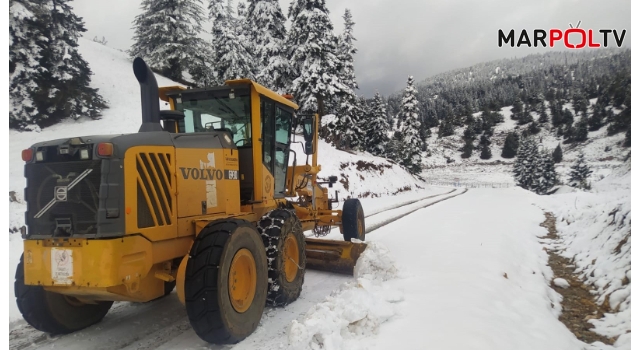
163, 324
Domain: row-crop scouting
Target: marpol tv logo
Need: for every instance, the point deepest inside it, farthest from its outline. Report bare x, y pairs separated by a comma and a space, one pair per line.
571, 38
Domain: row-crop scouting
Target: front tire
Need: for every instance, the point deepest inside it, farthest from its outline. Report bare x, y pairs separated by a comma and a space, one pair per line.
226, 281
353, 220
284, 243
52, 312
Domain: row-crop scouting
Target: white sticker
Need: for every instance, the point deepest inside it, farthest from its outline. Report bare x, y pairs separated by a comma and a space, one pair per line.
62, 266
212, 194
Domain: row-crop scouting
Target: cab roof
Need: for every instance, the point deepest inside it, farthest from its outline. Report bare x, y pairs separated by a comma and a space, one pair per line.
167, 91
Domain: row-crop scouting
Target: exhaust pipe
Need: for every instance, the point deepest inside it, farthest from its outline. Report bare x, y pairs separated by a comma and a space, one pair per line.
148, 96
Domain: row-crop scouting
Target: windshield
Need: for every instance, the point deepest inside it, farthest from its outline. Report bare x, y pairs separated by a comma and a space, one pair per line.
227, 112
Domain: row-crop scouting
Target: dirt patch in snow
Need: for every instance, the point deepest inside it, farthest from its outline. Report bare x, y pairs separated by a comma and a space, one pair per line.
366, 166
578, 303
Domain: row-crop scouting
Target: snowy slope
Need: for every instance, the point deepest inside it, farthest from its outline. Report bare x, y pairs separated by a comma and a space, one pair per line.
444, 163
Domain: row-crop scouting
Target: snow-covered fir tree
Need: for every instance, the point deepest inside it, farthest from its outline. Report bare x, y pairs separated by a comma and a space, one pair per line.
376, 127
313, 53
468, 137
525, 167
48, 78
580, 172
346, 52
167, 37
485, 151
409, 114
266, 31
232, 58
445, 128
25, 54
347, 131
557, 154
546, 173
510, 145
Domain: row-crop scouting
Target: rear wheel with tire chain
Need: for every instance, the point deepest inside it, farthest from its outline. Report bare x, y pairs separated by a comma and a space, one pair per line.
226, 281
52, 312
283, 239
353, 220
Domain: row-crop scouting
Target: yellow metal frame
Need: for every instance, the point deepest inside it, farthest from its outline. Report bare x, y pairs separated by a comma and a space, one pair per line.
136, 266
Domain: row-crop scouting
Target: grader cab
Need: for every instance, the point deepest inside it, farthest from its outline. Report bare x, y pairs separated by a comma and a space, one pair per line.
208, 198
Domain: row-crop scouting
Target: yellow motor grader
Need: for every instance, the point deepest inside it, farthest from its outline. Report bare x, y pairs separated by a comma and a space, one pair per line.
204, 198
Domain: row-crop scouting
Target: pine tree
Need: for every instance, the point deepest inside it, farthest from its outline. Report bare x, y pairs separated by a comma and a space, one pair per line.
580, 172
313, 49
546, 170
445, 129
567, 117
395, 148
167, 37
544, 117
347, 132
526, 117
485, 152
469, 120
477, 127
346, 52
510, 145
517, 106
569, 134
233, 60
266, 30
581, 130
48, 78
533, 128
525, 166
376, 127
596, 120
468, 137
557, 116
557, 154
580, 103
25, 54
409, 112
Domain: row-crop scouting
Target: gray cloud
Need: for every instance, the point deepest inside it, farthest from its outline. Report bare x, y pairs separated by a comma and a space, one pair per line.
397, 38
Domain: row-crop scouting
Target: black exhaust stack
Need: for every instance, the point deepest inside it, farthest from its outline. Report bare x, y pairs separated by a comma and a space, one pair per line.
148, 96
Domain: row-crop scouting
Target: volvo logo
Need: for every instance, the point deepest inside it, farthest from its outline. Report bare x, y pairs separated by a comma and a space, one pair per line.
60, 193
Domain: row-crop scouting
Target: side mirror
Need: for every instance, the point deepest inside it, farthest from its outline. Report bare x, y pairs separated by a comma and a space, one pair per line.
308, 147
307, 129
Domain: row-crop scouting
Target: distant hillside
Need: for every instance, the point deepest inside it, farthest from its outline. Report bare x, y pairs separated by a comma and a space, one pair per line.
444, 164
554, 75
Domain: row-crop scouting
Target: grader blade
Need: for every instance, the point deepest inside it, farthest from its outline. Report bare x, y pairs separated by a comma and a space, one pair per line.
333, 256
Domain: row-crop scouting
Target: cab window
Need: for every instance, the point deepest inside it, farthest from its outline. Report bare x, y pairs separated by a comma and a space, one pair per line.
225, 110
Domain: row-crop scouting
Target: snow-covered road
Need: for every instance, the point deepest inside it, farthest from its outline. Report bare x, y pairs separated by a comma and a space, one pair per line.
471, 274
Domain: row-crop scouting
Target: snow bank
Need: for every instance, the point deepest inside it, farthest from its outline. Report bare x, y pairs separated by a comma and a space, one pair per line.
354, 311
595, 231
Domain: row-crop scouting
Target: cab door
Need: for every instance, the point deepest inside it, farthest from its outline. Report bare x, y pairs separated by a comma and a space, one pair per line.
276, 132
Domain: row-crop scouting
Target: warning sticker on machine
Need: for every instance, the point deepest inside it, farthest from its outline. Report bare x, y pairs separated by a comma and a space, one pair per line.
61, 266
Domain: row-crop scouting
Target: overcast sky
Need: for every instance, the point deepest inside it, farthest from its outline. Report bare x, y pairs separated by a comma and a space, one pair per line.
397, 38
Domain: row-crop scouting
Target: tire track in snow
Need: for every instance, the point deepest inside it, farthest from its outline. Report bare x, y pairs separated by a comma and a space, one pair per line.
400, 216
397, 206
